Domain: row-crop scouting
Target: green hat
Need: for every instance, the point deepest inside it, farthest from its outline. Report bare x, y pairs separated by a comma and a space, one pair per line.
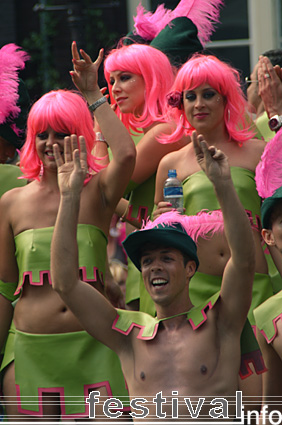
178, 40
171, 235
267, 207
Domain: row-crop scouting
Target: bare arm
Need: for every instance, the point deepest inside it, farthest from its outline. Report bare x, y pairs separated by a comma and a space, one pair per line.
91, 308
236, 289
113, 179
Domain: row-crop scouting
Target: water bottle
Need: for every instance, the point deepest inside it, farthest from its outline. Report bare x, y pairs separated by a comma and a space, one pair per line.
173, 191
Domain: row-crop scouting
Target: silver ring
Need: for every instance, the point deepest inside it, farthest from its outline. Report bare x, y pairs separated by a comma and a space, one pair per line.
266, 75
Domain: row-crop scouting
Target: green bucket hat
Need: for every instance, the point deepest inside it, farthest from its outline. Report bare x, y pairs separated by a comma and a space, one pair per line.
172, 235
267, 207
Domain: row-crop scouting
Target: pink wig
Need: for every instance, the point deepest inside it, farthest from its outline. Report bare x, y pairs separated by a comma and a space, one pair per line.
269, 169
64, 111
203, 225
158, 76
201, 69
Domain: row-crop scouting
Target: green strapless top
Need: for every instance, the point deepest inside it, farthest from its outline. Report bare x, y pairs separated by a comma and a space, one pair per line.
33, 254
199, 193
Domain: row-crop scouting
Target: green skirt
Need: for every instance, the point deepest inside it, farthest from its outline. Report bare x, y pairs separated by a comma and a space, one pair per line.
70, 364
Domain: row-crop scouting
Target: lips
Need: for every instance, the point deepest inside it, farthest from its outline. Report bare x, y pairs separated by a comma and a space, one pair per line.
120, 99
200, 116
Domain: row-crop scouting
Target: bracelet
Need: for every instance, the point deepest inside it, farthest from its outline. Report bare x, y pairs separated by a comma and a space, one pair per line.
98, 103
101, 138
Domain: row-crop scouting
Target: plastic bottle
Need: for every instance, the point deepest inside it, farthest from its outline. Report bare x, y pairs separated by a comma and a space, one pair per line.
173, 191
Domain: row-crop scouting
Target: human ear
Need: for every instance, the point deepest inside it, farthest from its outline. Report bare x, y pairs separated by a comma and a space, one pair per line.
268, 237
190, 268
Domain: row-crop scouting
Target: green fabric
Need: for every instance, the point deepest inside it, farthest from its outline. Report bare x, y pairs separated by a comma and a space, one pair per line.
199, 193
33, 253
126, 319
9, 178
178, 40
132, 283
263, 127
203, 286
267, 314
8, 289
74, 362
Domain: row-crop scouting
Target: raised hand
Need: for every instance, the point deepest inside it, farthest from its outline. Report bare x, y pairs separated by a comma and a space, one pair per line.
85, 72
212, 160
73, 168
270, 86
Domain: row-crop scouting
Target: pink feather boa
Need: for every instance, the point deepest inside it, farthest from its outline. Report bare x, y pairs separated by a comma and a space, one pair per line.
12, 59
269, 170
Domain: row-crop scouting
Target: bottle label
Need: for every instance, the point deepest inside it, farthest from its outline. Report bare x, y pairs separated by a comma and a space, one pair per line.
173, 191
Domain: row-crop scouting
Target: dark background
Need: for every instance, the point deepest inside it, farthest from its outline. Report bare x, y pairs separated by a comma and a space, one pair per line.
46, 28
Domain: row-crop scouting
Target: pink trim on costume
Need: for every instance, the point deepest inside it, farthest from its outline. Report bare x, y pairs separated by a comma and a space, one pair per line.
274, 321
194, 327
256, 359
47, 272
209, 305
142, 213
133, 324
61, 392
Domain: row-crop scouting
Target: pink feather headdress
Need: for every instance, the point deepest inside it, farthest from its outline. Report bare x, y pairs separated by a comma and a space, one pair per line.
203, 225
203, 13
12, 59
269, 170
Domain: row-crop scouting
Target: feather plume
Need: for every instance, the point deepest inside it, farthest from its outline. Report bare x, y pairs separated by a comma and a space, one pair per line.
203, 225
12, 59
203, 13
269, 170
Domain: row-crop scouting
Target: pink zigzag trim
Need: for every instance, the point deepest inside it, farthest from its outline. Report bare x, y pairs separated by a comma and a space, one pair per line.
274, 321
61, 392
47, 272
142, 327
194, 327
133, 324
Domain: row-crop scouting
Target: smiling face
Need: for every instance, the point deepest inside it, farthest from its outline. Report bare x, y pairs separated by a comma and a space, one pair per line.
128, 90
44, 146
204, 108
165, 276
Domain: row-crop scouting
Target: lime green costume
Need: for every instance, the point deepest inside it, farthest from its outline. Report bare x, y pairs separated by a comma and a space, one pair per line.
9, 178
72, 363
199, 195
267, 315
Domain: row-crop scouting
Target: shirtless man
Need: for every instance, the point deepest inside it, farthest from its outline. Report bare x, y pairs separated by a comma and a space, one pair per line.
185, 352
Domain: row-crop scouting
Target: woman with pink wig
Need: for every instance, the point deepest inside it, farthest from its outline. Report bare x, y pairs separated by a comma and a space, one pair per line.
207, 98
50, 363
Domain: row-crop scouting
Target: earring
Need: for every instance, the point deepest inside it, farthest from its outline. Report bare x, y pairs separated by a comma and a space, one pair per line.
228, 115
183, 119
